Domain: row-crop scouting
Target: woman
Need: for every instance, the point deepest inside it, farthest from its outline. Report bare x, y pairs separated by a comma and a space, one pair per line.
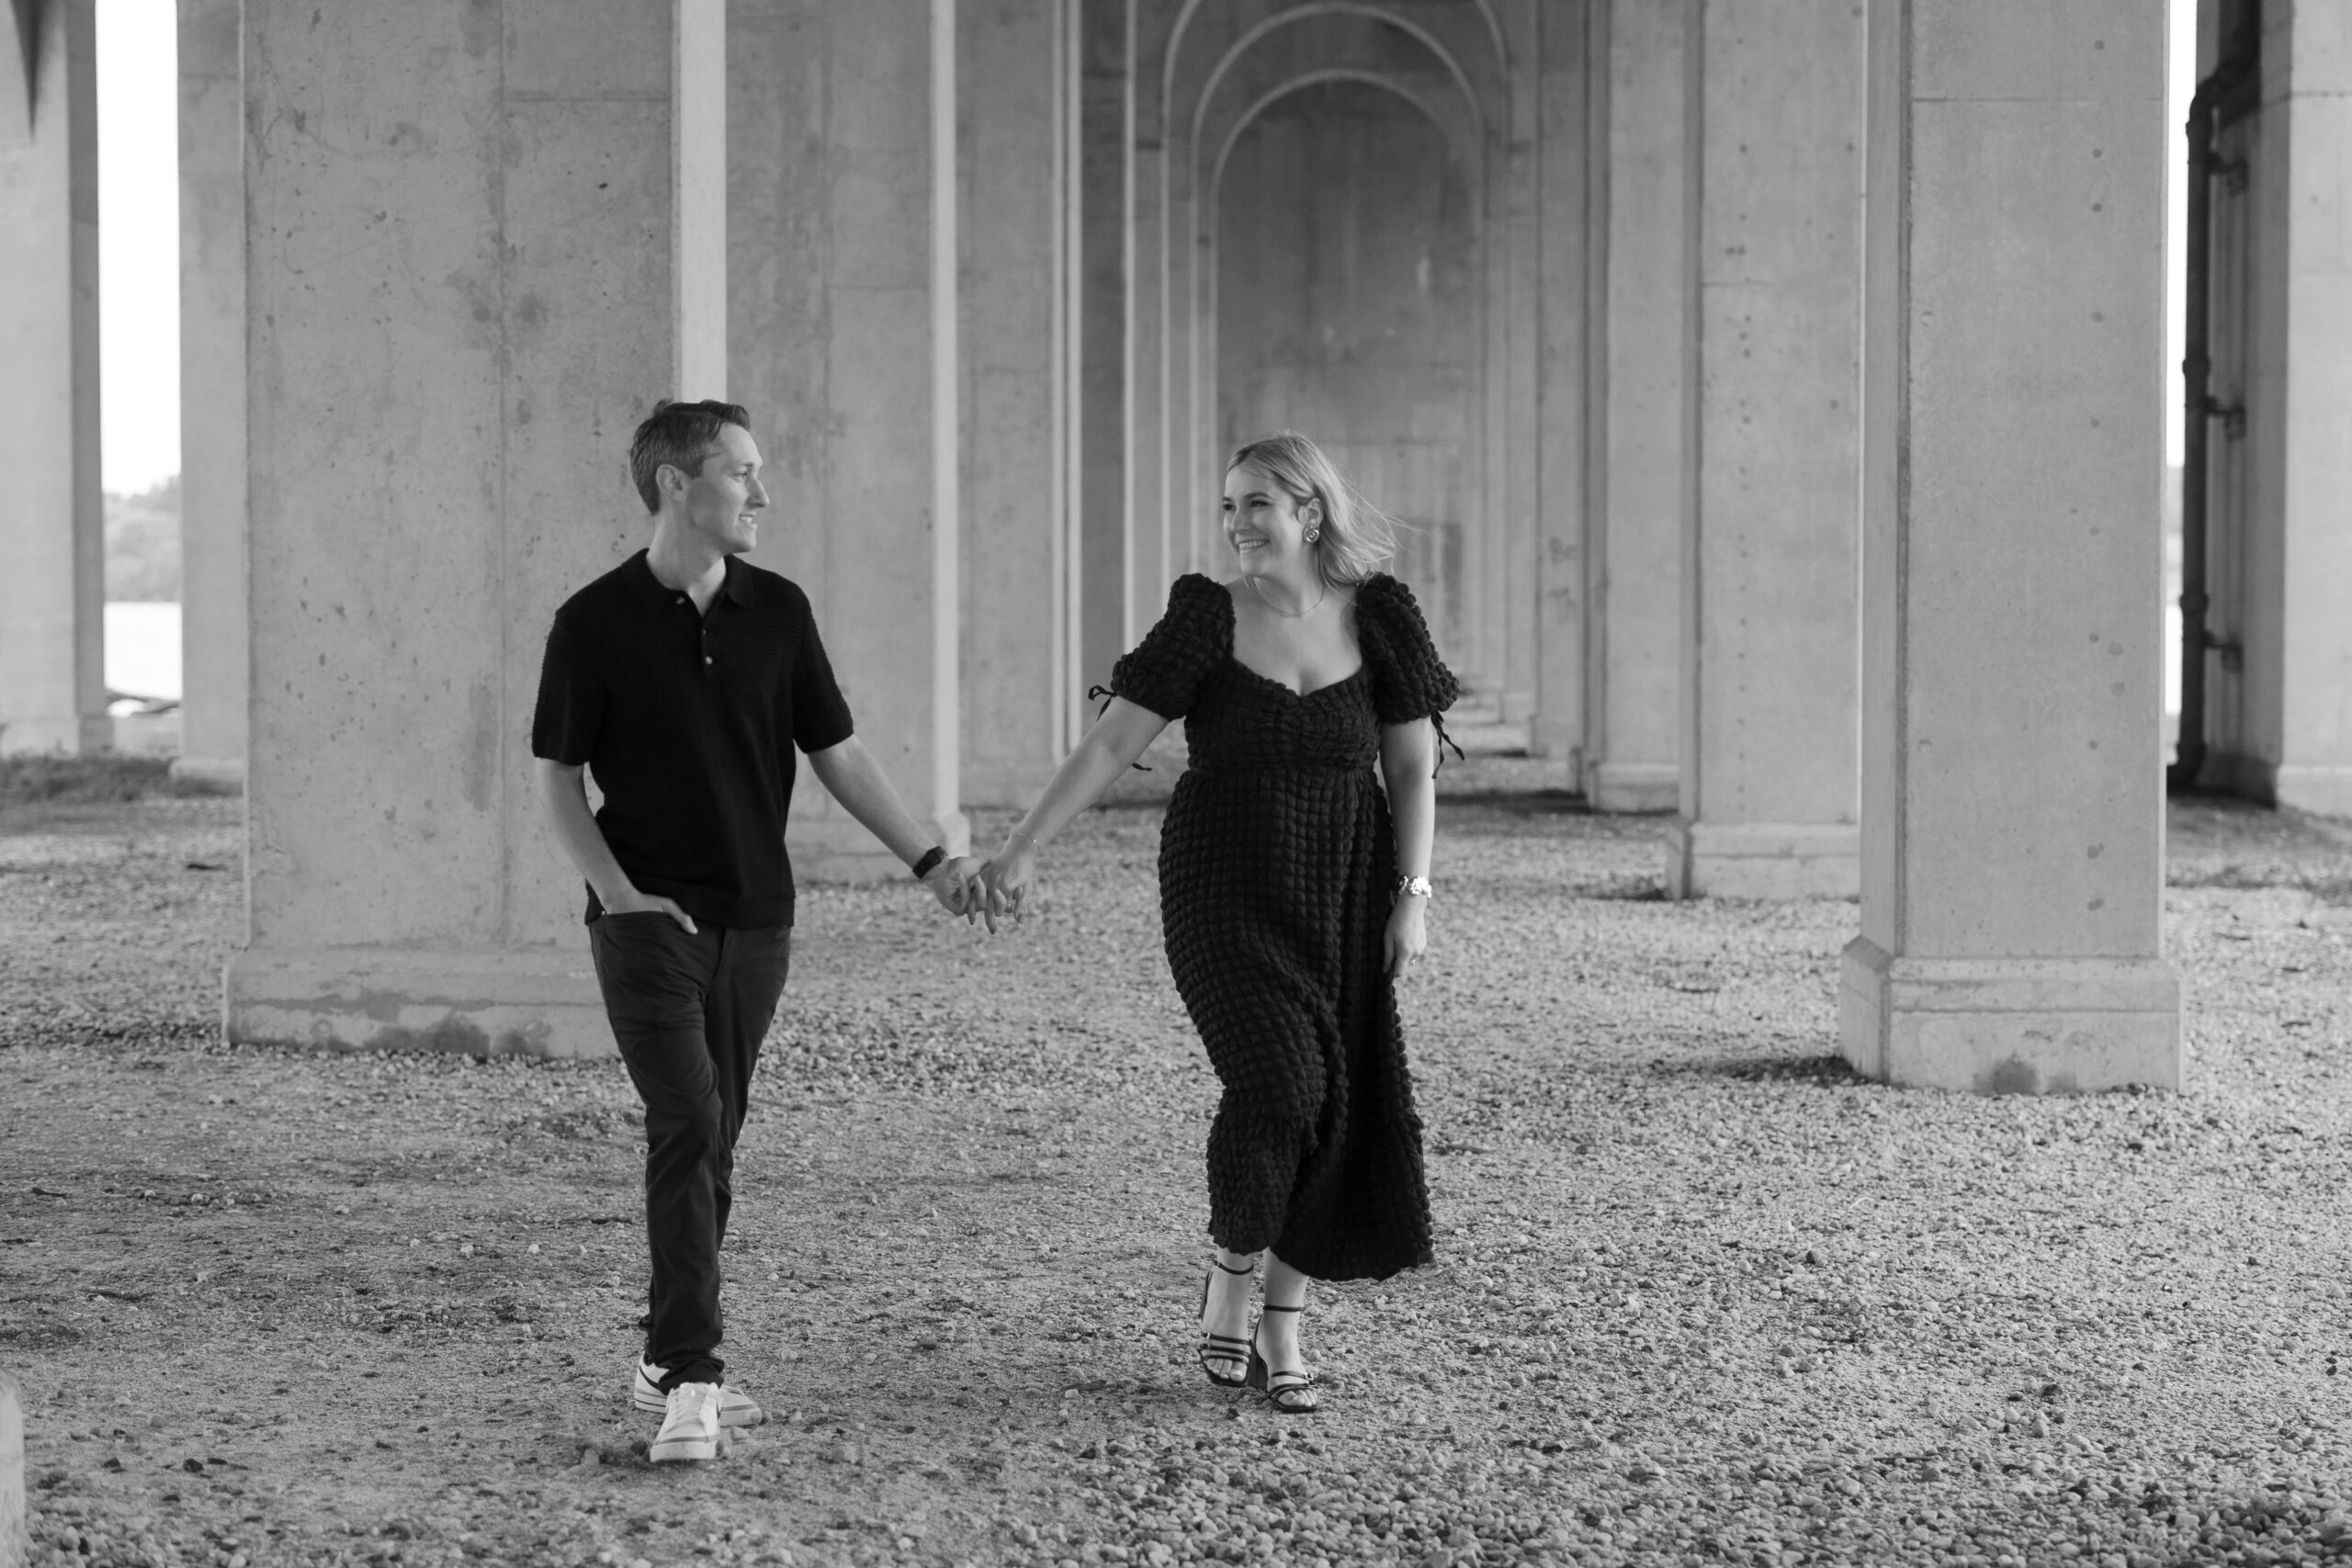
1292, 891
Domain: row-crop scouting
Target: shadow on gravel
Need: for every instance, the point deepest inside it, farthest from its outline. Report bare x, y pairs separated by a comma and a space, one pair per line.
48, 794
1825, 1071
2329, 887
2219, 841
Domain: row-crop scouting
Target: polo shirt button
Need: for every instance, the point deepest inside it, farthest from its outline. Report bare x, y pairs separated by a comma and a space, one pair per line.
706, 659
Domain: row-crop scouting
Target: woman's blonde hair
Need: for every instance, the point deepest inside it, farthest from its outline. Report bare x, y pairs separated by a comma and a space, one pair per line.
1358, 538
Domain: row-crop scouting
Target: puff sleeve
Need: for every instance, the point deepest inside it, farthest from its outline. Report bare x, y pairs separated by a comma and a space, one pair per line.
1164, 671
1410, 681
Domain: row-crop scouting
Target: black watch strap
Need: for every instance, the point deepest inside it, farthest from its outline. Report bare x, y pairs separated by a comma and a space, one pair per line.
930, 862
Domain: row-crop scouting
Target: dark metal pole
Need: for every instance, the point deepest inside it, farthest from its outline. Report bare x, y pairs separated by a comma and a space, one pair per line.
2225, 96
2196, 376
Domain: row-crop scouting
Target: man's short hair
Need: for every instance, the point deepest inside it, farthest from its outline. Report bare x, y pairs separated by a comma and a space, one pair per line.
681, 435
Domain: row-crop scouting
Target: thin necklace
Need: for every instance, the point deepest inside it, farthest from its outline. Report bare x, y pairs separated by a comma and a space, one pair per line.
1287, 614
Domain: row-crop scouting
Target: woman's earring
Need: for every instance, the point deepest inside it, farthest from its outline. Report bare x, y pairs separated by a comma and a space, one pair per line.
1312, 534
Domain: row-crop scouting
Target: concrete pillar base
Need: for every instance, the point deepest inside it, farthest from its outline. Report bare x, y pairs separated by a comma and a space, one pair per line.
2234, 772
226, 775
1763, 860
834, 847
2325, 790
2010, 1025
1634, 786
1012, 786
15, 1545
66, 736
539, 1002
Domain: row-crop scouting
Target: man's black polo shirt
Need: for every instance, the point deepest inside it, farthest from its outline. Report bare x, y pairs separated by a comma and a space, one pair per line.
688, 723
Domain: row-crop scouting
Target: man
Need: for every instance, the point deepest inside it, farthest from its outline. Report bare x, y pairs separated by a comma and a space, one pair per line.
685, 678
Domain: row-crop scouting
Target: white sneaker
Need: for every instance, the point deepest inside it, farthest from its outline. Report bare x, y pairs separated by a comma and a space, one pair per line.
735, 1408
690, 1428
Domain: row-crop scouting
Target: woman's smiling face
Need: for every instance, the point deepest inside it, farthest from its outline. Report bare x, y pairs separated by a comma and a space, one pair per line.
1261, 522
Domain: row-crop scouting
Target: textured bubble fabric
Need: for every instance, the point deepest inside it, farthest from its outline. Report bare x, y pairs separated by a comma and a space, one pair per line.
1276, 868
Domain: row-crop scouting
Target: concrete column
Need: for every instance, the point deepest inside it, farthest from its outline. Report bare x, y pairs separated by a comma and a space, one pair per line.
1011, 202
1106, 178
1769, 530
463, 298
843, 324
698, 200
53, 529
1513, 418
212, 396
1558, 726
2313, 256
2281, 720
1634, 731
1158, 559
2013, 808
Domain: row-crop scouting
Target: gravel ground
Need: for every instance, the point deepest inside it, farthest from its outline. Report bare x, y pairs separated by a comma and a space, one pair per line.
1702, 1296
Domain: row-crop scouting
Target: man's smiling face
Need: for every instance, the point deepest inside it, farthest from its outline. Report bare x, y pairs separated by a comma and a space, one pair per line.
722, 502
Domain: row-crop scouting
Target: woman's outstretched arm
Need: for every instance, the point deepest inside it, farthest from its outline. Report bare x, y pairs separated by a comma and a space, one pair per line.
1408, 766
1111, 746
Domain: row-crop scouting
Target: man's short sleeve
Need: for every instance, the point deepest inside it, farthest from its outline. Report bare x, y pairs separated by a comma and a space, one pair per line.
821, 717
571, 713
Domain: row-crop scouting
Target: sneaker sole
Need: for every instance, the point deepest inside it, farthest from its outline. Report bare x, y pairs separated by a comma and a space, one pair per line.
686, 1448
655, 1405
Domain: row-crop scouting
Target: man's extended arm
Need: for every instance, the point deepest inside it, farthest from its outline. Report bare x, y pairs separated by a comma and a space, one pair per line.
853, 777
565, 799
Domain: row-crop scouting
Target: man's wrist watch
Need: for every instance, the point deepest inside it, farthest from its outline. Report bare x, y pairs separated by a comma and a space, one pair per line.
1412, 886
930, 862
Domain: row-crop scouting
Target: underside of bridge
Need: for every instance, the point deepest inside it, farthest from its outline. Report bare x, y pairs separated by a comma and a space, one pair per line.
1770, 389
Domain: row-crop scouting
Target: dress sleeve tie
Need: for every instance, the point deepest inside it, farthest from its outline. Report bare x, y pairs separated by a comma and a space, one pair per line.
1106, 693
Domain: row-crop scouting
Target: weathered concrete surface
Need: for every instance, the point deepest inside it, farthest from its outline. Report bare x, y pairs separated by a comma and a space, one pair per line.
459, 225
1009, 103
1103, 169
2282, 714
2012, 848
53, 530
15, 1548
830, 326
1568, 151
1634, 736
212, 396
1771, 533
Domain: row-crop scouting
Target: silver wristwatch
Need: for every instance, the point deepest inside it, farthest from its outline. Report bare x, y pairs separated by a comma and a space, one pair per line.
1412, 886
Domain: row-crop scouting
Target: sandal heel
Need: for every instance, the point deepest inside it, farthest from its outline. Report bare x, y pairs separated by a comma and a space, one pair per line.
1291, 1394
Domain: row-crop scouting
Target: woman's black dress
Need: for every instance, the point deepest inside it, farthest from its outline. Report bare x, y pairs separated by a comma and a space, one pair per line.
1277, 867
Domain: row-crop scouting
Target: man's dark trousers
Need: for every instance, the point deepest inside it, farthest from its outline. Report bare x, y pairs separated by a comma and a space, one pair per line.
688, 1011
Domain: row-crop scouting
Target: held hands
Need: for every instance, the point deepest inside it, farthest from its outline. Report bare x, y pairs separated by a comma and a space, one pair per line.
956, 884
1005, 879
1408, 936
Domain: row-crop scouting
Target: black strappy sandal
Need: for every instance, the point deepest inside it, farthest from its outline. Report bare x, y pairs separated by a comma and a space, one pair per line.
1223, 1349
1292, 1394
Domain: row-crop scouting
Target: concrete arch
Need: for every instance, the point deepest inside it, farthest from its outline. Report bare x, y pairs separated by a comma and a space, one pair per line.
1172, 53
1455, 66
1452, 135
1299, 15
1462, 146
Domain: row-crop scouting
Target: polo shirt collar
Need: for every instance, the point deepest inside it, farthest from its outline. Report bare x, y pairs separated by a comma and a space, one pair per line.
639, 573
738, 585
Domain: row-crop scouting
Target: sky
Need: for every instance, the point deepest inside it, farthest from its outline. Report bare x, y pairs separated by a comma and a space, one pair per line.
139, 237
139, 242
